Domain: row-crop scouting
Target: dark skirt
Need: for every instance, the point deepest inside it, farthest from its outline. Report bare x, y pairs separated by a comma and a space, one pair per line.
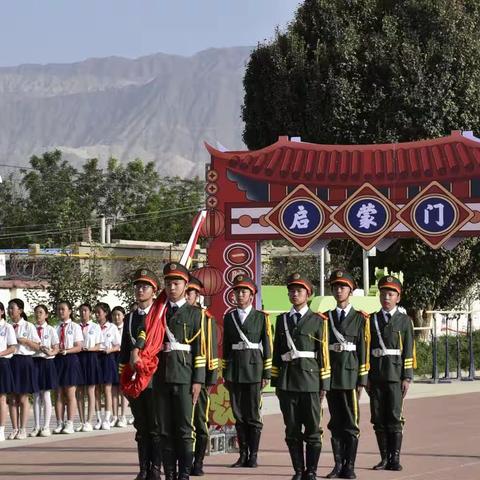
7, 384
69, 370
24, 374
90, 368
109, 369
47, 373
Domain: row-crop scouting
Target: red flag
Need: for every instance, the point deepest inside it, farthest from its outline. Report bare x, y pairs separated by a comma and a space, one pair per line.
134, 381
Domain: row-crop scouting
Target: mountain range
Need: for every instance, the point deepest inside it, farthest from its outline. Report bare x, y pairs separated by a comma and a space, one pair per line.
159, 108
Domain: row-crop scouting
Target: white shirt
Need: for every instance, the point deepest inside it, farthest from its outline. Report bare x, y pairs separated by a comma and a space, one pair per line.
243, 314
144, 311
346, 310
25, 330
110, 336
91, 334
73, 334
178, 304
48, 338
7, 337
391, 312
302, 312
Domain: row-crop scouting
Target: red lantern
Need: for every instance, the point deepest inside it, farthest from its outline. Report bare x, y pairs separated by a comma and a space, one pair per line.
214, 224
212, 279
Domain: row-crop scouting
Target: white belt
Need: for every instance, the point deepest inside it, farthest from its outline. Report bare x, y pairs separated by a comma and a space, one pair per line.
293, 354
380, 352
246, 346
171, 346
342, 347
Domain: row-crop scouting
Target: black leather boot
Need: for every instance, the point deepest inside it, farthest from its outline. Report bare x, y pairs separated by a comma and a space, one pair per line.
243, 447
337, 448
298, 462
200, 450
185, 464
383, 448
350, 455
394, 448
155, 461
169, 464
312, 454
143, 449
254, 435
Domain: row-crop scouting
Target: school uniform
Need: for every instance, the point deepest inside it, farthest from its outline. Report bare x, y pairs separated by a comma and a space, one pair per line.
45, 364
89, 360
7, 338
68, 366
23, 369
110, 336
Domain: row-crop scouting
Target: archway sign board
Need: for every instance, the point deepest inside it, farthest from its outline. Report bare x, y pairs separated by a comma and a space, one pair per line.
309, 193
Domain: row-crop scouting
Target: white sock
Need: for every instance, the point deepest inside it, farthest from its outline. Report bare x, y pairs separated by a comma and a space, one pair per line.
2, 429
99, 415
36, 409
107, 415
47, 405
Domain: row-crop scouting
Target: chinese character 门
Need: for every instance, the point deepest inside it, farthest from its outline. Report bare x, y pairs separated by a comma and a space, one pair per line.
426, 214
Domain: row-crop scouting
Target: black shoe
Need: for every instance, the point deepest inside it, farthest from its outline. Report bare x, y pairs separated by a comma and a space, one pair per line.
169, 464
143, 449
382, 447
253, 444
243, 447
298, 462
337, 448
348, 470
312, 455
200, 450
185, 459
394, 448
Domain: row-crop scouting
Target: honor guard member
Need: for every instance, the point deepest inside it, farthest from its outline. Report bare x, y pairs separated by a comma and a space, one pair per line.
301, 375
392, 363
349, 343
247, 364
200, 419
149, 452
178, 381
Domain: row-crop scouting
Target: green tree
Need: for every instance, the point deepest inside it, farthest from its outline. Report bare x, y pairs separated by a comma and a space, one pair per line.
374, 71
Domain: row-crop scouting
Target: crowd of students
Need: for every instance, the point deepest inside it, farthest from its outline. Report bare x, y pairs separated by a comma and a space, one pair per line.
78, 361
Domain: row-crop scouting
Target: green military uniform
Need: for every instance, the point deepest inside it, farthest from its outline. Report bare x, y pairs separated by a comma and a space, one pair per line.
392, 361
200, 419
181, 363
244, 367
349, 339
146, 436
300, 371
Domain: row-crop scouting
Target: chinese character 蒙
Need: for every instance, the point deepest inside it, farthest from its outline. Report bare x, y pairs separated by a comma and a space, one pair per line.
366, 215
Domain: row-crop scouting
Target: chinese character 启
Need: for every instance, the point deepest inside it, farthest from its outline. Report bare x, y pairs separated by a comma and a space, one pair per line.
300, 219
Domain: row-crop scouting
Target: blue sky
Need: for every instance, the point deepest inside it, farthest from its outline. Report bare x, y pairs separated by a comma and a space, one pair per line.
60, 31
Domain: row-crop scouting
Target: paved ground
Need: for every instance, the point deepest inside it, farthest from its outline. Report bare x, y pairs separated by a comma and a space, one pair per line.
442, 441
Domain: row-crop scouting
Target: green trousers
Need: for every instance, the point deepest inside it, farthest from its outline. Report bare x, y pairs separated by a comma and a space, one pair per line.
302, 416
144, 419
344, 413
245, 399
386, 405
200, 417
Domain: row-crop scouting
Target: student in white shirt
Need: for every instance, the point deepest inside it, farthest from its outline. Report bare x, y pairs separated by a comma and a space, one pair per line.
119, 402
108, 365
91, 368
44, 361
23, 369
68, 367
8, 342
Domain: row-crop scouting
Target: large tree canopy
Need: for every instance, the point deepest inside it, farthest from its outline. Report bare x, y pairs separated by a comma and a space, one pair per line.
374, 71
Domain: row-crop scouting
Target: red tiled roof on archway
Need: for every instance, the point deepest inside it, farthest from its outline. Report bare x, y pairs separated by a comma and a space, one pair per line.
447, 159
